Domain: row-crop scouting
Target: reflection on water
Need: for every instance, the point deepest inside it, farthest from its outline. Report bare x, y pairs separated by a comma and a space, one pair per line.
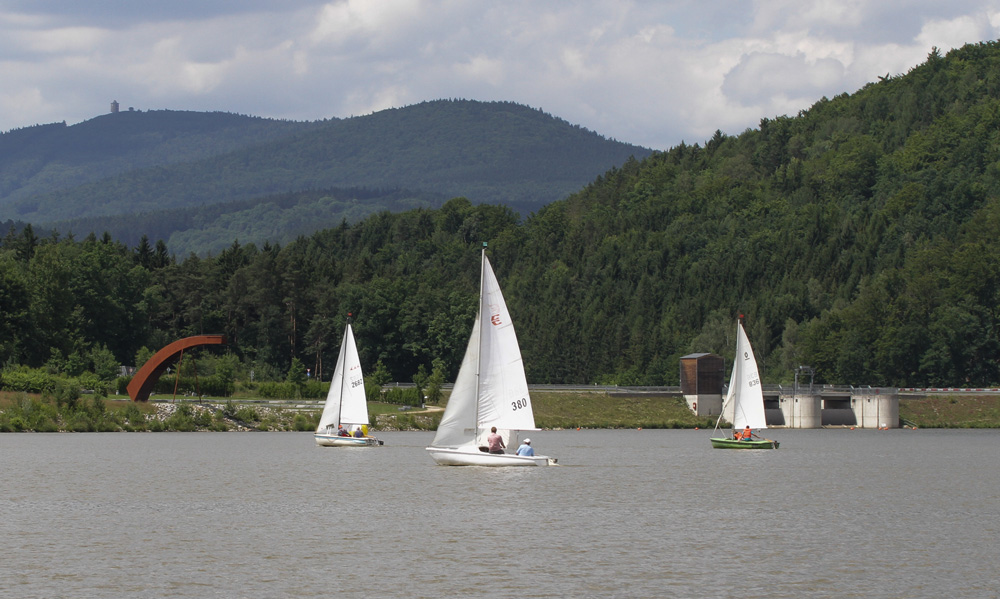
833, 513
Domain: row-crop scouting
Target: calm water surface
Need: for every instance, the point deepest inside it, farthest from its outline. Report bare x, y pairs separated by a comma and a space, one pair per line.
833, 513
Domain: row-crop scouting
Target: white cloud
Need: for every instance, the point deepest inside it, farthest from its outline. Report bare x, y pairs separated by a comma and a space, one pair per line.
59, 41
952, 33
359, 23
760, 76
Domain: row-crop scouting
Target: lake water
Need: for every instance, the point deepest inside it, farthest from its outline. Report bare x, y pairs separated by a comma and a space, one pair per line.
833, 513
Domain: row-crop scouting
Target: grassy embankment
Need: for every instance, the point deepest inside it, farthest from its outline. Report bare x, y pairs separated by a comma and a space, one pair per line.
952, 411
29, 412
599, 410
23, 412
553, 410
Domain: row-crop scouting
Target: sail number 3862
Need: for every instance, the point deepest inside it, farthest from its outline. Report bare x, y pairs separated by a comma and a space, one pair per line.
519, 404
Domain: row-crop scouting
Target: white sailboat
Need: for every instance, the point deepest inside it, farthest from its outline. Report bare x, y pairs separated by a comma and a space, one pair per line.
490, 391
746, 398
346, 406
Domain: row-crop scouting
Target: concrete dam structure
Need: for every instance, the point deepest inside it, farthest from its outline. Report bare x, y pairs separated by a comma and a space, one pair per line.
829, 406
863, 407
805, 406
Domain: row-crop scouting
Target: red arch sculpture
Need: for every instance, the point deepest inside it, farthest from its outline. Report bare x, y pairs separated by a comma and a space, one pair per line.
143, 381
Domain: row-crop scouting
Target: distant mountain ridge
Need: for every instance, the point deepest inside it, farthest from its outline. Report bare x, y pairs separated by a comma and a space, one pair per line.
42, 159
139, 162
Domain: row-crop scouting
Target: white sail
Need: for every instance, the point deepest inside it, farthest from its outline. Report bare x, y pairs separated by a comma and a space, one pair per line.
491, 389
346, 402
458, 425
745, 392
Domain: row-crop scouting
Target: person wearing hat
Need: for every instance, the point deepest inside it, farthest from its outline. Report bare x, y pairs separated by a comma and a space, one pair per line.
525, 449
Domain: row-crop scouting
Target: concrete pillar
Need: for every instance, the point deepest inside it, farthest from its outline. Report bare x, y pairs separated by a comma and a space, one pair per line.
888, 409
876, 408
802, 411
865, 410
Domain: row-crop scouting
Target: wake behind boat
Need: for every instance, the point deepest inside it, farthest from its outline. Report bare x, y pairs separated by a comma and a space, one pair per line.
344, 422
490, 390
747, 399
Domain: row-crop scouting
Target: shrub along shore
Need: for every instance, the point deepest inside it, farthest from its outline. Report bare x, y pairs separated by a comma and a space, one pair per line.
23, 412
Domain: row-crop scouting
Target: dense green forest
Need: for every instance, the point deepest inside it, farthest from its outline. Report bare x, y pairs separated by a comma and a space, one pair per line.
859, 237
138, 163
281, 218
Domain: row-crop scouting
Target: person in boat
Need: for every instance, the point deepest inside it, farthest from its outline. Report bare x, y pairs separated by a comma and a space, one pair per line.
525, 449
342, 432
358, 433
747, 434
737, 435
495, 441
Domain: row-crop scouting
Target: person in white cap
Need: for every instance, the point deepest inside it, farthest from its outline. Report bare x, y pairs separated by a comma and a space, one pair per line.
525, 448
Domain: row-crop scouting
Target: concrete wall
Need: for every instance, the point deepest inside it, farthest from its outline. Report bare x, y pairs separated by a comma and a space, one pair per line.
705, 404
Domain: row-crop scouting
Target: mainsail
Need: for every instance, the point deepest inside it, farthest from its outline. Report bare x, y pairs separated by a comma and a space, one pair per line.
745, 392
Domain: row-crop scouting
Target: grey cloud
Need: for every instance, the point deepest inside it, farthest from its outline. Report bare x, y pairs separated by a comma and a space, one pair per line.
118, 13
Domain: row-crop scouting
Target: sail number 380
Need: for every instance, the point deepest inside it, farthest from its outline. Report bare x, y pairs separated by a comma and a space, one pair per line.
519, 404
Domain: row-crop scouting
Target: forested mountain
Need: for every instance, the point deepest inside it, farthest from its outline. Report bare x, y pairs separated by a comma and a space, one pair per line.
38, 160
142, 162
860, 237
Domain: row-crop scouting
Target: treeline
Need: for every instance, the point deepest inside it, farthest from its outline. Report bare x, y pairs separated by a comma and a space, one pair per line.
859, 237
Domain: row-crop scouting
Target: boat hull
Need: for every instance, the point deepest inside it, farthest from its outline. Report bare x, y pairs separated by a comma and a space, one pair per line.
336, 441
718, 443
472, 456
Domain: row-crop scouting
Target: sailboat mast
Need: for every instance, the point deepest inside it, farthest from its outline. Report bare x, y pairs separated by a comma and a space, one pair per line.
343, 368
479, 315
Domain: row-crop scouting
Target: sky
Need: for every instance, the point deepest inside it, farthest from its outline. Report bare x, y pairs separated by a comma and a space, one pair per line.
651, 73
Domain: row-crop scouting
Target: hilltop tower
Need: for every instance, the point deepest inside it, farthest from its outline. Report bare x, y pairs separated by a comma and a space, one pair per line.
114, 106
